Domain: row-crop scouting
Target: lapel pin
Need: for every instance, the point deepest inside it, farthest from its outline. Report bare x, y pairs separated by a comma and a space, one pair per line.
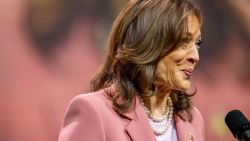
190, 136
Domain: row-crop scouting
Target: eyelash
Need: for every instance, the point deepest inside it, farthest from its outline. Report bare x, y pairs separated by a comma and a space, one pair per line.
198, 44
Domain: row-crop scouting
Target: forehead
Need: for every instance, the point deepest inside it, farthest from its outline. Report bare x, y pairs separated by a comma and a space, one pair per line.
193, 26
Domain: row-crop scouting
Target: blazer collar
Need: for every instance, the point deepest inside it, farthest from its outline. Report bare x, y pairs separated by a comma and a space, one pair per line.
185, 131
139, 128
130, 114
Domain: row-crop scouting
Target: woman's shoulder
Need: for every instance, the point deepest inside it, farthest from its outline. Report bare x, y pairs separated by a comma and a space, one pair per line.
84, 117
93, 104
101, 96
95, 99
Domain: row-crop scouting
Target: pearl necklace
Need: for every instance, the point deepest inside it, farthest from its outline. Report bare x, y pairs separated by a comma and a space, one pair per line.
168, 114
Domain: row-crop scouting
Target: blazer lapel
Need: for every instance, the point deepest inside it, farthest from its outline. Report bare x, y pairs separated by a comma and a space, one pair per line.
138, 128
185, 131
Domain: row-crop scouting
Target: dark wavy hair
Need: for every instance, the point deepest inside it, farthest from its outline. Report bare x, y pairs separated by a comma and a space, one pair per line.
143, 33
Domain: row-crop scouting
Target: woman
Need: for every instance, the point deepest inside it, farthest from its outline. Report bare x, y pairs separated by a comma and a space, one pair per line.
139, 94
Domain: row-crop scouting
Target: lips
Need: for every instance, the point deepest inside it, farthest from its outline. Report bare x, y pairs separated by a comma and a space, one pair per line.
188, 72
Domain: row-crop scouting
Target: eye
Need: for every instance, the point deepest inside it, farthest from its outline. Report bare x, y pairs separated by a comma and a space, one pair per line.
185, 43
198, 44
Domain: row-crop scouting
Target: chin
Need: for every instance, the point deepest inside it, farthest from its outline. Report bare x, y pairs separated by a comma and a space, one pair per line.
184, 86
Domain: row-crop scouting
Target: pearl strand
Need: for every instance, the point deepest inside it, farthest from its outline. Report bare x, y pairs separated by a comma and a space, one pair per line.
168, 114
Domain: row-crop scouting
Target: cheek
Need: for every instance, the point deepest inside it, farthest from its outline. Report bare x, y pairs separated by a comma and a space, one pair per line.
166, 74
178, 56
169, 76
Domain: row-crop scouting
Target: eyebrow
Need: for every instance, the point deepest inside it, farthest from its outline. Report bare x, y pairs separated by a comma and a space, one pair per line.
190, 36
199, 37
193, 36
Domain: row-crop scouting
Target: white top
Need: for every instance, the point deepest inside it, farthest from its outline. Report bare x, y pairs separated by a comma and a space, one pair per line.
169, 135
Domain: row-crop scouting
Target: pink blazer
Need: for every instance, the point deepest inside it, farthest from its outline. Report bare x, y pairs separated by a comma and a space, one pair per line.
91, 117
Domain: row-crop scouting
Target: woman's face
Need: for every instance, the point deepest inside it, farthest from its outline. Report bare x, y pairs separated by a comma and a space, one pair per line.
174, 71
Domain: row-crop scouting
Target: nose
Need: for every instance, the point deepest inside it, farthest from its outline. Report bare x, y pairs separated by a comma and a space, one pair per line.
193, 55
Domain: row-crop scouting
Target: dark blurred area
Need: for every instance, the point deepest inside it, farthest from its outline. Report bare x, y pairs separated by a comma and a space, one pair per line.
49, 50
49, 22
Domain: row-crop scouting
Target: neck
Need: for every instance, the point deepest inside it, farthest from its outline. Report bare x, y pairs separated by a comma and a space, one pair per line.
157, 104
